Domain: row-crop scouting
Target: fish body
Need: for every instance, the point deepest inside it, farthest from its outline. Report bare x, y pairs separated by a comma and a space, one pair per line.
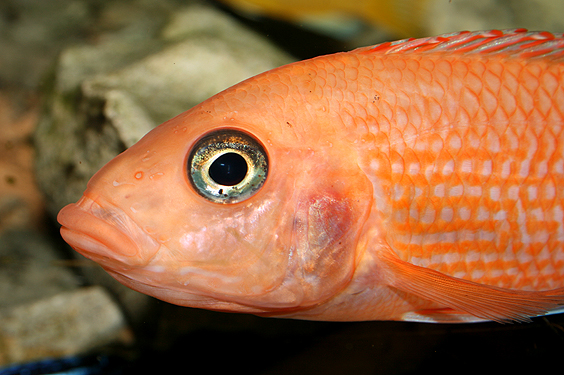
336, 17
418, 180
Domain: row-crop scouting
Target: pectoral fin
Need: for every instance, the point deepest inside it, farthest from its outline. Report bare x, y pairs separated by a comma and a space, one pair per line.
480, 300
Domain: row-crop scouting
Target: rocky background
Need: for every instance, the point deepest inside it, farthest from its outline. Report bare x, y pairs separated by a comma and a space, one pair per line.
80, 81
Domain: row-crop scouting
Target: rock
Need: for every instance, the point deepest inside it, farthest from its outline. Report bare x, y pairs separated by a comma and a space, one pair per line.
30, 269
62, 325
33, 32
43, 310
21, 203
105, 97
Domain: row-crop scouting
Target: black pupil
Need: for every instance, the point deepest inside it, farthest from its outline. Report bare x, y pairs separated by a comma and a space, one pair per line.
229, 169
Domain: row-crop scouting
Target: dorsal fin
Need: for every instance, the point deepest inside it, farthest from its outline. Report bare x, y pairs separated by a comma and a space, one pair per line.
516, 42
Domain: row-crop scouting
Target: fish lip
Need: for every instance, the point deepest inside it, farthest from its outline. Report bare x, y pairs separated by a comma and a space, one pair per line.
105, 233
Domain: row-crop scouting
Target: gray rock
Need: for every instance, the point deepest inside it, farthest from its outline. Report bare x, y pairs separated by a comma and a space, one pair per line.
33, 32
62, 325
30, 269
106, 97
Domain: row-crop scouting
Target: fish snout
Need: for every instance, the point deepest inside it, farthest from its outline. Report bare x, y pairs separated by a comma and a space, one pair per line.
104, 233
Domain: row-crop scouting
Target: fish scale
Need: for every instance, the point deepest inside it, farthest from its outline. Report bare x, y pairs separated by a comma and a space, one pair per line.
467, 177
416, 180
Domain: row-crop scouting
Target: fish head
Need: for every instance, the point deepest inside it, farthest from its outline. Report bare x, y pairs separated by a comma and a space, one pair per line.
281, 235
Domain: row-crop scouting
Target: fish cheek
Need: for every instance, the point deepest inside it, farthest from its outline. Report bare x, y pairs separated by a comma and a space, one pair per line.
325, 235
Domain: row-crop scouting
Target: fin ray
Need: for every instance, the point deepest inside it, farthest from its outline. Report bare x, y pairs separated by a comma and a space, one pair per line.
515, 42
480, 300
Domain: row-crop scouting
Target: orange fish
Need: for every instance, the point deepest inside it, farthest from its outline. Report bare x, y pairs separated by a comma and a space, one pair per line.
340, 18
419, 180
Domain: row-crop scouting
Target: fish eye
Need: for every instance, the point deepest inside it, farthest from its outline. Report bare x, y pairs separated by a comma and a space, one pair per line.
227, 166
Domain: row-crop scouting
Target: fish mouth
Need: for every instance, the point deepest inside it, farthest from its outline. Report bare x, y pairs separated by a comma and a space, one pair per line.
105, 233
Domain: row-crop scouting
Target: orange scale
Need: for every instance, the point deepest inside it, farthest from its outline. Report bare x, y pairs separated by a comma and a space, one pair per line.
408, 251
472, 268
477, 225
410, 156
456, 224
533, 225
401, 226
488, 225
491, 206
471, 202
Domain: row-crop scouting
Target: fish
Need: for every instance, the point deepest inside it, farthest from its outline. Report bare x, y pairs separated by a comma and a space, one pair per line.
418, 180
341, 19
